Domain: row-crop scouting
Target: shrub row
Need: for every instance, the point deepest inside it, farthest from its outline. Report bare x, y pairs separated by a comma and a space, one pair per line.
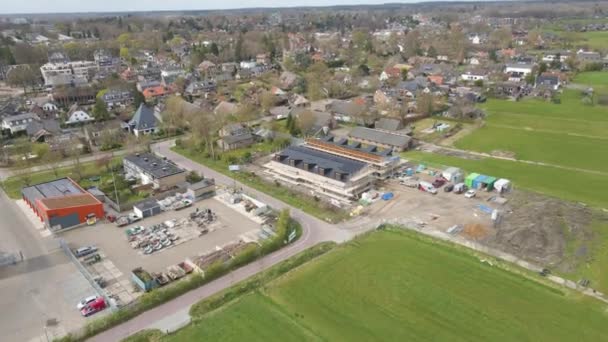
162, 295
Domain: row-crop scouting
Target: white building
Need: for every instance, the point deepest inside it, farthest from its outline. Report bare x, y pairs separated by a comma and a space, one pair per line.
18, 123
248, 64
332, 169
473, 76
475, 40
80, 69
78, 115
521, 69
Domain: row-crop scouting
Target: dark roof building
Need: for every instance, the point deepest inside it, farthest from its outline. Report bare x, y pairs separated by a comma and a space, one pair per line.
395, 141
318, 162
144, 121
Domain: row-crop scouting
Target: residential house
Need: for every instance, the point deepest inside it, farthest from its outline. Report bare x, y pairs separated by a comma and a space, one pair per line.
18, 123
162, 174
474, 75
389, 124
263, 59
144, 121
156, 92
321, 122
551, 56
346, 111
288, 79
40, 131
475, 39
517, 72
114, 98
77, 115
588, 56
390, 73
235, 136
200, 88
548, 80
225, 108
248, 64
106, 132
207, 68
145, 84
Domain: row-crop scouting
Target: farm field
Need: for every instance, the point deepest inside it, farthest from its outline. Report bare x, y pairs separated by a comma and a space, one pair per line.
596, 79
424, 290
569, 134
556, 182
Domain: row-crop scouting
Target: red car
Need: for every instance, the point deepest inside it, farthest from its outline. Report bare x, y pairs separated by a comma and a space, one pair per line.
93, 307
438, 183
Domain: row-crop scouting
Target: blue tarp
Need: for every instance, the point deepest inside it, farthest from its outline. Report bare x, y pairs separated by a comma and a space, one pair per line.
485, 208
387, 196
479, 180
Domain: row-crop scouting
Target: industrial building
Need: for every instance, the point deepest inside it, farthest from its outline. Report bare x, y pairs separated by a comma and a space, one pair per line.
333, 168
62, 203
150, 169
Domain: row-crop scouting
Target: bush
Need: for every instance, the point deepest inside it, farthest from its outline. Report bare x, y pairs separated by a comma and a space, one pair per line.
193, 177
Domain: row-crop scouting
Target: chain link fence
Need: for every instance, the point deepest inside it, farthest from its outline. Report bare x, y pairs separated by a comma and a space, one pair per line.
88, 276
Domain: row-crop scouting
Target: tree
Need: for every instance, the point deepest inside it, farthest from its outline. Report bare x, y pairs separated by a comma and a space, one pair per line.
52, 161
23, 76
425, 104
138, 98
411, 44
530, 78
124, 53
214, 49
238, 49
267, 100
431, 52
493, 56
76, 152
457, 43
100, 110
542, 67
306, 121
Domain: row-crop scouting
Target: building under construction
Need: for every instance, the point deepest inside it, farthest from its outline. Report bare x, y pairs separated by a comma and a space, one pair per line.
333, 167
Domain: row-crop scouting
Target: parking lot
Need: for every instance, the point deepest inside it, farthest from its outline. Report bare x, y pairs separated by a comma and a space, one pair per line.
119, 257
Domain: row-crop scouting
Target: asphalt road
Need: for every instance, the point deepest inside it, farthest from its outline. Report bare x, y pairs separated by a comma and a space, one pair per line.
44, 286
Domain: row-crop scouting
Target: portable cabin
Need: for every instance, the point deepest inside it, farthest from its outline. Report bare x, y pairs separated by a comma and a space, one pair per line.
469, 180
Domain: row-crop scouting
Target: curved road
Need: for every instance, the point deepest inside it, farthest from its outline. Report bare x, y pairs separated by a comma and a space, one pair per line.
313, 232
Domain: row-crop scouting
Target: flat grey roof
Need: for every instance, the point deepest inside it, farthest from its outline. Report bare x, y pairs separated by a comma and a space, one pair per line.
146, 204
380, 137
318, 162
150, 163
56, 188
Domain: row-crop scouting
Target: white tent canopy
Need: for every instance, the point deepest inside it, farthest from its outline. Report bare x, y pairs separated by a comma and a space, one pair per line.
502, 185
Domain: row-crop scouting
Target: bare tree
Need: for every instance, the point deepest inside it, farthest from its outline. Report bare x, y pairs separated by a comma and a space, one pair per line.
52, 161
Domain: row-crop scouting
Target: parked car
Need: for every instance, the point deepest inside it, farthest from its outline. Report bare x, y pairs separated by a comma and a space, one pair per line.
448, 188
439, 182
470, 194
411, 182
86, 250
85, 301
460, 188
428, 187
95, 306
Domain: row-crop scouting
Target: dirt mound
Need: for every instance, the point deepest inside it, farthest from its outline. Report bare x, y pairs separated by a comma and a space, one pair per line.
475, 231
540, 229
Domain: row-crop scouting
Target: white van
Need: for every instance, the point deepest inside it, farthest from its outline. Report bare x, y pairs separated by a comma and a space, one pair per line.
428, 187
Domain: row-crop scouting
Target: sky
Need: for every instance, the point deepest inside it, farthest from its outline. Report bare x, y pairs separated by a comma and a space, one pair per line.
68, 6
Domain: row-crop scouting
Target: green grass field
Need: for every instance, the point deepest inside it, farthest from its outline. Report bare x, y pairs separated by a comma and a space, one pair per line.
397, 285
560, 183
596, 79
569, 134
